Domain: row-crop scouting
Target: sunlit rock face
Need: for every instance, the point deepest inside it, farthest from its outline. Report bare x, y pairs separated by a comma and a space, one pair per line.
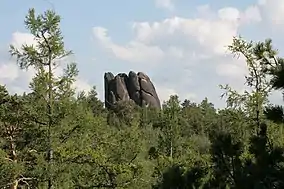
137, 87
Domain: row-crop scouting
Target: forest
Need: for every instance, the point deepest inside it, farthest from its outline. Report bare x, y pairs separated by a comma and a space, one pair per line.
53, 138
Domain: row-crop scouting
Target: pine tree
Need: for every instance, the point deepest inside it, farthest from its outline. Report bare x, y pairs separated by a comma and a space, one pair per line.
49, 91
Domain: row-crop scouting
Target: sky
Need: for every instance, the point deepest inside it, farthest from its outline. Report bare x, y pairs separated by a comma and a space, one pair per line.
180, 44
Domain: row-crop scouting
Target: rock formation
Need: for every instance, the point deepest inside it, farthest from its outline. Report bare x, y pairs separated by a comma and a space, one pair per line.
137, 87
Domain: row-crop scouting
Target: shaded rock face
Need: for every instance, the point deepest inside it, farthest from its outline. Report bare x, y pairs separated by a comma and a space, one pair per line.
137, 87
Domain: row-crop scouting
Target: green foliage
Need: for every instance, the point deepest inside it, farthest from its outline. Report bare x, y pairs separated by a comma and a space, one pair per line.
50, 138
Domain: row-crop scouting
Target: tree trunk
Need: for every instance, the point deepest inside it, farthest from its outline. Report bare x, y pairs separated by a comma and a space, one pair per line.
49, 105
14, 159
14, 185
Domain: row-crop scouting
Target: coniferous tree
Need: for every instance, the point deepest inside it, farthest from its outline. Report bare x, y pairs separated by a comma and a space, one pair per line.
49, 91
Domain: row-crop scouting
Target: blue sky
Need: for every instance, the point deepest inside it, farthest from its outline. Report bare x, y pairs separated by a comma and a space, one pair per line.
178, 43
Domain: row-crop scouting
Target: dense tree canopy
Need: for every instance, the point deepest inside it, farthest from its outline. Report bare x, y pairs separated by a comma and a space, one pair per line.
51, 138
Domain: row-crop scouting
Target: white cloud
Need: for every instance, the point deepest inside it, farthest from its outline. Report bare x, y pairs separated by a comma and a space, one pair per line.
19, 38
229, 70
273, 10
82, 85
236, 68
184, 56
9, 71
176, 45
166, 4
212, 34
252, 14
229, 14
17, 80
164, 93
153, 39
134, 51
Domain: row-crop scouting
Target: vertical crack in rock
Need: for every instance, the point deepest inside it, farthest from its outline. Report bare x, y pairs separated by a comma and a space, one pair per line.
148, 91
136, 87
108, 77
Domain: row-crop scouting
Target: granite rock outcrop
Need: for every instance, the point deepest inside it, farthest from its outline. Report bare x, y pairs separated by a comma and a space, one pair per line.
137, 87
